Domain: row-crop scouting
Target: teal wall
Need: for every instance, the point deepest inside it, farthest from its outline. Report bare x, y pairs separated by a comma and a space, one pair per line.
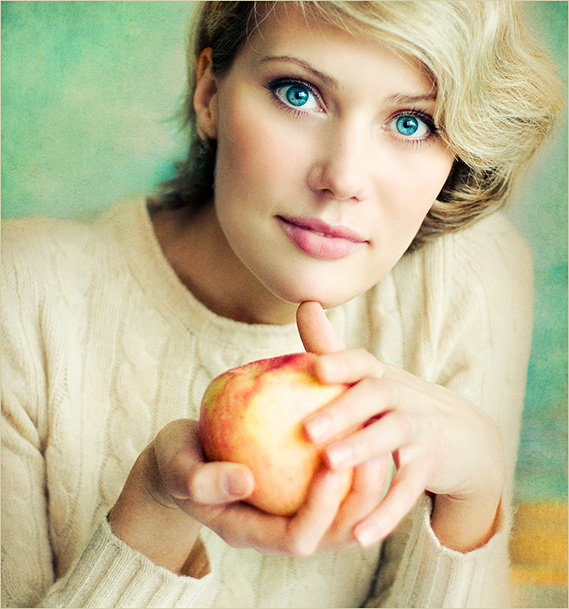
540, 212
88, 93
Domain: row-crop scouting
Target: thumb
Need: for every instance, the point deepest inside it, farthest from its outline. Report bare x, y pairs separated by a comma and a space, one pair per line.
316, 332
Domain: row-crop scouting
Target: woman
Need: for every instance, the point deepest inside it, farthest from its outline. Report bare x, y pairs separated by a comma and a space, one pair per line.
337, 149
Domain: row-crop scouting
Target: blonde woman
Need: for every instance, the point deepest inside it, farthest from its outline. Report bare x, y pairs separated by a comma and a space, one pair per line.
346, 157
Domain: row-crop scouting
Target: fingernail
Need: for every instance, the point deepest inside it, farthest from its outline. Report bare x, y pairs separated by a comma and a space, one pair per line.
318, 427
340, 454
326, 368
367, 533
235, 484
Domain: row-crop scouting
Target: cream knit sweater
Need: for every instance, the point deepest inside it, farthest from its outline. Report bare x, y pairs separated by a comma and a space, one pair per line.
102, 345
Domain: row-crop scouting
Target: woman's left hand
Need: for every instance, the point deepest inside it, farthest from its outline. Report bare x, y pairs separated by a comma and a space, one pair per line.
441, 443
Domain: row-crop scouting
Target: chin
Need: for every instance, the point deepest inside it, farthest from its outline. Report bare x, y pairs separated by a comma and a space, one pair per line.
327, 298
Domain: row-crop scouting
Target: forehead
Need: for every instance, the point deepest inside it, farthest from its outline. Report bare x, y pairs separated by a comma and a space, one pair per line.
287, 32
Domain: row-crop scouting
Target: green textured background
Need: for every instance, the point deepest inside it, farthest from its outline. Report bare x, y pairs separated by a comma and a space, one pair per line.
88, 93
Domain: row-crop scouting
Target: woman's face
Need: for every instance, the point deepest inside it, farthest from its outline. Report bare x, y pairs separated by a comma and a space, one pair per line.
327, 158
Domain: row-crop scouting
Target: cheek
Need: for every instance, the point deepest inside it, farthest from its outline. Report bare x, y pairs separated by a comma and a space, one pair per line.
254, 149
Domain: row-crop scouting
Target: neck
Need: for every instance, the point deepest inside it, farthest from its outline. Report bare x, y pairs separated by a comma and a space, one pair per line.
199, 253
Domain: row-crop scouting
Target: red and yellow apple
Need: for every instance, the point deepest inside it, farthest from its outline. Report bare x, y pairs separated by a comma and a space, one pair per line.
254, 415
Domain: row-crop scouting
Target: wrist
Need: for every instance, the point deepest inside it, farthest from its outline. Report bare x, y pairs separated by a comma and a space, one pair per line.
146, 521
466, 523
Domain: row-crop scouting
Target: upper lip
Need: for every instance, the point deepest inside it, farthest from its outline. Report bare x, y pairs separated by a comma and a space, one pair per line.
319, 226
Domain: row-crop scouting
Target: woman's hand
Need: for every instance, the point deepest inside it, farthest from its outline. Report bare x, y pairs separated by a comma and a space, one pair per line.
440, 442
210, 493
171, 491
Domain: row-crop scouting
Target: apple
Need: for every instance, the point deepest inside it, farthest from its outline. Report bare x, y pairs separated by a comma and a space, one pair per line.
253, 415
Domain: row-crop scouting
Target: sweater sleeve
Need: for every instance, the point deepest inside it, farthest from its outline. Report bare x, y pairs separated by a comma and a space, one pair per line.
107, 573
478, 330
111, 574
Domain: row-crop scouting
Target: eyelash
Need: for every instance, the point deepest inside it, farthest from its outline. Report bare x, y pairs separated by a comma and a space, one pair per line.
432, 131
278, 83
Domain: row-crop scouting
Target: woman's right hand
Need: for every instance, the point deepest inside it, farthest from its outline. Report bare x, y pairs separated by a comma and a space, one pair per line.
171, 491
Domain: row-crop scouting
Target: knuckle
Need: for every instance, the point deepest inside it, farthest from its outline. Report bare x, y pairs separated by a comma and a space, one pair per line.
299, 544
383, 388
361, 448
360, 352
197, 487
302, 548
232, 539
407, 424
388, 389
173, 482
204, 484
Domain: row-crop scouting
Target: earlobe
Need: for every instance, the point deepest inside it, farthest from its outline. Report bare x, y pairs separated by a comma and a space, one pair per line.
205, 97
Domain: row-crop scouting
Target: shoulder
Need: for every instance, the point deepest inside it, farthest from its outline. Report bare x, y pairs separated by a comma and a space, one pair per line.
56, 263
478, 292
490, 243
456, 293
34, 239
32, 248
44, 243
489, 257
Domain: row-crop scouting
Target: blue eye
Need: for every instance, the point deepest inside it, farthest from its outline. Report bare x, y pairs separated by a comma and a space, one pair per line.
407, 125
412, 126
295, 95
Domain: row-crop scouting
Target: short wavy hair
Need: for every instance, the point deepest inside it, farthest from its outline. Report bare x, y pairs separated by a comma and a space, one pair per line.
498, 94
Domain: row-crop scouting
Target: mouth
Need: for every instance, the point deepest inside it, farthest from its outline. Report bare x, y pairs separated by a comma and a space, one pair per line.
319, 239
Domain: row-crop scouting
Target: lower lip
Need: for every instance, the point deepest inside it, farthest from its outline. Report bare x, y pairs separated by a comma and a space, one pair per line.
318, 245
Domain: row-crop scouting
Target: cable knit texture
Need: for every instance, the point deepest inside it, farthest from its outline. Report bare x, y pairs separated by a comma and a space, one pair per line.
102, 345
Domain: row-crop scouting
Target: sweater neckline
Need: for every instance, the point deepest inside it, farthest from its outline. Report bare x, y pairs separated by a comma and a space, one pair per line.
158, 278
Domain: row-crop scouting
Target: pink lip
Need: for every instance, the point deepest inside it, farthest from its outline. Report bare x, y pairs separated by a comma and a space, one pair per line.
319, 239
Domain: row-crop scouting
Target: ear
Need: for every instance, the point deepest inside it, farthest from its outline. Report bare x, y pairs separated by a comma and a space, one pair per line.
205, 97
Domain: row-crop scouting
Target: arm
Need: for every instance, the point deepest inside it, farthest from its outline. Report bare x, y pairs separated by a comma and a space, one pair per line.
34, 571
107, 574
59, 548
27, 568
441, 443
27, 562
482, 349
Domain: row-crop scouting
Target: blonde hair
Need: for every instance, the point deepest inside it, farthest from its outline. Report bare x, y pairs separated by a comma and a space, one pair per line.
497, 91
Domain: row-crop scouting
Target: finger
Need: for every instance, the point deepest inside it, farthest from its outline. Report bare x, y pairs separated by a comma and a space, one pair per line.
360, 405
215, 482
242, 525
406, 487
308, 526
368, 488
178, 452
369, 484
316, 332
184, 474
384, 436
349, 366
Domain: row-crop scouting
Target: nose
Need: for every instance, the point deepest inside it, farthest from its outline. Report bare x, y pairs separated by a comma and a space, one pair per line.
342, 166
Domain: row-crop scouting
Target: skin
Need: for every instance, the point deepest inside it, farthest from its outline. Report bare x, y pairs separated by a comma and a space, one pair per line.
340, 158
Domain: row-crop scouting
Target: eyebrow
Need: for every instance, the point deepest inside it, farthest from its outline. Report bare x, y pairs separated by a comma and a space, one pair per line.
396, 98
402, 98
327, 80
